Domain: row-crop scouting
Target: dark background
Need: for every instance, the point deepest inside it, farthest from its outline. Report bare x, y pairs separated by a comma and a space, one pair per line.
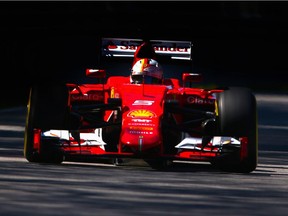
235, 43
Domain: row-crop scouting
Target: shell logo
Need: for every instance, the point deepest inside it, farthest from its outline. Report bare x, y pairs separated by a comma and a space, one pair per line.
141, 113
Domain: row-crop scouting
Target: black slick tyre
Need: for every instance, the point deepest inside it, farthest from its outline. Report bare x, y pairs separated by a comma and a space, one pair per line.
237, 117
47, 109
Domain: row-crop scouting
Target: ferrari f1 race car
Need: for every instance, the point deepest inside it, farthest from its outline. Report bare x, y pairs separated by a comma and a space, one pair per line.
144, 113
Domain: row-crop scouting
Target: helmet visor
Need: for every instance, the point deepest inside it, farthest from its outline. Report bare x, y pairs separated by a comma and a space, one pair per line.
141, 79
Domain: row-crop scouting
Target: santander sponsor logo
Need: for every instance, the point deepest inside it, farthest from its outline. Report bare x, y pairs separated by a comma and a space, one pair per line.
172, 49
87, 97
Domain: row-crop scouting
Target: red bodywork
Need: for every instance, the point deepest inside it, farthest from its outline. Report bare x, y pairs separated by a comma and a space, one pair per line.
142, 113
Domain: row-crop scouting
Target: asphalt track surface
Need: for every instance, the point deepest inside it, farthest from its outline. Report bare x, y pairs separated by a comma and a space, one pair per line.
136, 189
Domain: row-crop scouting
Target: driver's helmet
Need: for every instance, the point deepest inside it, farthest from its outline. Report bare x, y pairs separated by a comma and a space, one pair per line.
147, 71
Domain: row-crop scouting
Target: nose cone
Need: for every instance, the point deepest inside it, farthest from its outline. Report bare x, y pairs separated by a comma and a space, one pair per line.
141, 134
140, 141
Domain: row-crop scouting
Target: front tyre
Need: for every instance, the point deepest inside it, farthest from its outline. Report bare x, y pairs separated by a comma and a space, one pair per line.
237, 117
47, 109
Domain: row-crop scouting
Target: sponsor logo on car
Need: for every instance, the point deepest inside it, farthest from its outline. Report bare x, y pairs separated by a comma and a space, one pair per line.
156, 48
87, 97
141, 113
198, 100
143, 102
141, 120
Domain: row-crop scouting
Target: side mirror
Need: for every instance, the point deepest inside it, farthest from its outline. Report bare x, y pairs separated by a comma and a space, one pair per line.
191, 77
96, 73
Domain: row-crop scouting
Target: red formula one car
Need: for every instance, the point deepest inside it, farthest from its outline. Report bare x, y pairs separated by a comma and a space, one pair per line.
143, 114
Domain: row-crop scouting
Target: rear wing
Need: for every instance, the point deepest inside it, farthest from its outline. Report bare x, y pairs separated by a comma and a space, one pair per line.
121, 47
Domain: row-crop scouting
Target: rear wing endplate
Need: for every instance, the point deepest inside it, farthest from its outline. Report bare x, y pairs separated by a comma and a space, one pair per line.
121, 47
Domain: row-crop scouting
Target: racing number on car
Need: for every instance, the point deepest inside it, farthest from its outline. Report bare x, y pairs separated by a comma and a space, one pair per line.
143, 102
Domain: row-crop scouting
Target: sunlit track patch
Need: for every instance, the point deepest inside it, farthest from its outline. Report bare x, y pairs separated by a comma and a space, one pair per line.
273, 166
88, 164
273, 127
273, 169
262, 168
12, 128
271, 98
12, 159
10, 149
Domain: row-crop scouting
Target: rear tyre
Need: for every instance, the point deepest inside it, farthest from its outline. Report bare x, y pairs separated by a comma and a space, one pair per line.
237, 117
111, 134
47, 109
171, 136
